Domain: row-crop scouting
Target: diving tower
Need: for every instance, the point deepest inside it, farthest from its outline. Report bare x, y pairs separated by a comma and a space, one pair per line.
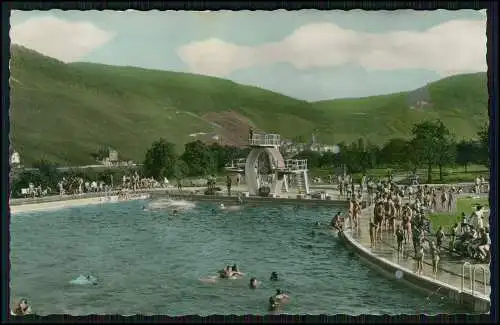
268, 144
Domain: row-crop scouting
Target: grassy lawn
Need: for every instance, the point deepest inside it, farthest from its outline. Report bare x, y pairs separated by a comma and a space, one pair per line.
446, 220
455, 174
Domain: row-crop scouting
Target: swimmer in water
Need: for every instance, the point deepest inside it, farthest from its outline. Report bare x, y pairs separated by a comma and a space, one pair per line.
277, 300
214, 211
175, 211
272, 304
21, 308
236, 272
279, 295
318, 223
222, 206
253, 283
274, 276
226, 273
91, 279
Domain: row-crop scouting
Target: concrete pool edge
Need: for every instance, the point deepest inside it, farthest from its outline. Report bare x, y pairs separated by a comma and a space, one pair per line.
69, 203
62, 202
423, 283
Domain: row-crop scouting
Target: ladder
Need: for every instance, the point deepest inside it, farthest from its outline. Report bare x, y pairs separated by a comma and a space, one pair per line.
302, 182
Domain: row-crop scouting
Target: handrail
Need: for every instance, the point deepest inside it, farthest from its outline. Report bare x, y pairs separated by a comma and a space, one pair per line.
479, 267
470, 275
264, 139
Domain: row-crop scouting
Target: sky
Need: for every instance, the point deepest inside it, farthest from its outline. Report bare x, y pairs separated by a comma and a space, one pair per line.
308, 54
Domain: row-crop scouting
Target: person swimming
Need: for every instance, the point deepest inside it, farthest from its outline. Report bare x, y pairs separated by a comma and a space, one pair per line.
222, 206
226, 273
21, 308
236, 271
253, 283
277, 300
91, 279
274, 276
272, 304
280, 297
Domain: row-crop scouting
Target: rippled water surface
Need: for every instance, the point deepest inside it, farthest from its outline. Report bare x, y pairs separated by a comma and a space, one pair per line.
151, 262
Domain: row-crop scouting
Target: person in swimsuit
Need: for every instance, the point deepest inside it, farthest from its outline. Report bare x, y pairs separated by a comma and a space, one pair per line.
399, 238
420, 258
253, 283
435, 257
21, 308
373, 228
274, 276
235, 270
226, 273
272, 304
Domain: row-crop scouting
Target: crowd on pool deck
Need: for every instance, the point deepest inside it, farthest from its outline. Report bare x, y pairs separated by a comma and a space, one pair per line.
408, 222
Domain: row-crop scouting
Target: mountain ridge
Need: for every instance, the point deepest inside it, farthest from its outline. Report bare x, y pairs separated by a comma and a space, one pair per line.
65, 111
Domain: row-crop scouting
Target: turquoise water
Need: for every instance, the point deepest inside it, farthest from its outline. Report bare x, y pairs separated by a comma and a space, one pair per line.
151, 262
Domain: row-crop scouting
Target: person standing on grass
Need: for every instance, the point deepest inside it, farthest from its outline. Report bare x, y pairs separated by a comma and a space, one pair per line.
450, 200
453, 233
228, 184
440, 237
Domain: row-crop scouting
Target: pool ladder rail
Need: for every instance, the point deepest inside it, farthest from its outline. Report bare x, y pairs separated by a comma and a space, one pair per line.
472, 277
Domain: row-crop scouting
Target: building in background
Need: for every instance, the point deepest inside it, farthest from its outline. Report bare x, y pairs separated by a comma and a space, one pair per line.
15, 159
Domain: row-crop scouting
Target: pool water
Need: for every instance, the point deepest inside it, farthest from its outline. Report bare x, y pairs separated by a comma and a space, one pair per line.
151, 261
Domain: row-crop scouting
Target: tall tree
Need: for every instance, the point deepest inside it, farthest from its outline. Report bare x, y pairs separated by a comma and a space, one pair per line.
446, 155
199, 158
313, 158
395, 152
160, 159
484, 144
181, 170
466, 153
429, 139
49, 173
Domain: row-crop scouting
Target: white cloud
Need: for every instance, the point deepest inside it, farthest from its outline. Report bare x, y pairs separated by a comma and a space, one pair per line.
61, 39
456, 46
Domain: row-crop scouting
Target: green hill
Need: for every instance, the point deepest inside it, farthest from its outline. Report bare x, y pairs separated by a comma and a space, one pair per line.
65, 112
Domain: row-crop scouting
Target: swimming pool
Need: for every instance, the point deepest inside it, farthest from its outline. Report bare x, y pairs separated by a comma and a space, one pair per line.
151, 262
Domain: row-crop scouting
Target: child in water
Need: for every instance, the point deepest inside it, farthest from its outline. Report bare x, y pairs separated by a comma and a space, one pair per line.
21, 308
253, 283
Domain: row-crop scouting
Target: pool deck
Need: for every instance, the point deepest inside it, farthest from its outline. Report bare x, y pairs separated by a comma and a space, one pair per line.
476, 278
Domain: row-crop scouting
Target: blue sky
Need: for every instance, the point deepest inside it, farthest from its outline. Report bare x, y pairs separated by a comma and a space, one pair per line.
309, 54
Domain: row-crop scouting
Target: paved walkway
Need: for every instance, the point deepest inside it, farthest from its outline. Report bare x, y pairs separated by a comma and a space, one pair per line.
450, 270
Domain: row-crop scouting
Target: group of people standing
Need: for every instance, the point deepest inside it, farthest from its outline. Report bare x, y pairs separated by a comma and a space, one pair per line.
408, 222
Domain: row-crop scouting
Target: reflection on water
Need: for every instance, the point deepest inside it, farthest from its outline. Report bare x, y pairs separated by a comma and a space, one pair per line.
150, 261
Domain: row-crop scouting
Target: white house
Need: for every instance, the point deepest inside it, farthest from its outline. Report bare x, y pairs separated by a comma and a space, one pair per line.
15, 159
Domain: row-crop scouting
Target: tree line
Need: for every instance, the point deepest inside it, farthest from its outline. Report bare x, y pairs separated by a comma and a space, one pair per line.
432, 145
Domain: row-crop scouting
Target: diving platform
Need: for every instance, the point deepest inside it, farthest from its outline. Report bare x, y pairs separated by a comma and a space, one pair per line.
236, 165
264, 140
